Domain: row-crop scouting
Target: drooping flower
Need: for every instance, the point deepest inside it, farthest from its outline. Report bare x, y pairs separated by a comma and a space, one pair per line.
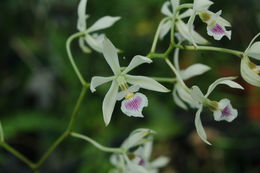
215, 24
95, 41
133, 103
222, 110
182, 28
179, 92
249, 70
138, 147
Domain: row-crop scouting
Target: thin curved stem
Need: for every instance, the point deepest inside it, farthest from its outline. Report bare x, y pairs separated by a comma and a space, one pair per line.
217, 49
68, 46
68, 130
19, 155
156, 37
99, 146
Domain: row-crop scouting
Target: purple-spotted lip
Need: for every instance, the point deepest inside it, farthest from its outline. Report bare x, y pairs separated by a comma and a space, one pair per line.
133, 103
218, 29
226, 112
141, 162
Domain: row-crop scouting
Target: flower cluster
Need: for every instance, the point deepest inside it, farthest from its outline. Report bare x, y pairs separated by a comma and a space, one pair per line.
138, 150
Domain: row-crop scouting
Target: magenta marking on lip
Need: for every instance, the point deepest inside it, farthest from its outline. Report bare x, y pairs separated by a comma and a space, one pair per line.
134, 103
226, 112
217, 29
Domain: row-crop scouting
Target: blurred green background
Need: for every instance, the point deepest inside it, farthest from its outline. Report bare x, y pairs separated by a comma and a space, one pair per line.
39, 89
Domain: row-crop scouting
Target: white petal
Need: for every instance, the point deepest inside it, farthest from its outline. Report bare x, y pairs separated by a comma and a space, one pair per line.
223, 21
186, 13
98, 80
104, 22
136, 61
83, 46
134, 88
225, 80
190, 28
196, 94
95, 43
165, 9
165, 28
110, 54
146, 83
248, 74
82, 15
176, 58
254, 51
183, 29
199, 127
147, 150
160, 162
133, 107
194, 70
185, 96
109, 102
136, 138
202, 4
178, 101
175, 4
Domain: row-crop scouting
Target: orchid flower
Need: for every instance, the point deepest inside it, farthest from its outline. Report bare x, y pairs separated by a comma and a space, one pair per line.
249, 70
215, 24
180, 25
133, 103
95, 41
137, 161
179, 92
222, 110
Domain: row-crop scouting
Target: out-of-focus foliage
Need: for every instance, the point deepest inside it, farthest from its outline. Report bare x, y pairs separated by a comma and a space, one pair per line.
39, 89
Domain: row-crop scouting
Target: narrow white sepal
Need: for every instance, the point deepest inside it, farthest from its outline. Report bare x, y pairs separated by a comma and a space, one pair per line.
200, 130
254, 51
104, 22
99, 80
146, 83
194, 70
165, 9
160, 162
81, 25
136, 61
225, 80
178, 101
110, 54
109, 102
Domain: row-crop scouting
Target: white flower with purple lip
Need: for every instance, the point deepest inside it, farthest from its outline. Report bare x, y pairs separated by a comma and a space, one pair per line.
133, 103
249, 70
95, 41
225, 111
215, 24
137, 160
180, 25
222, 110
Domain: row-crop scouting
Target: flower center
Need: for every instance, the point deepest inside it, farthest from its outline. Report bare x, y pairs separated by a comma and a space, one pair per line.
205, 17
226, 112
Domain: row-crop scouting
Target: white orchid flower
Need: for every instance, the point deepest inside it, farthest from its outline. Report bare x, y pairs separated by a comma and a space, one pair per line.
138, 161
95, 41
215, 24
222, 110
182, 28
179, 92
133, 103
249, 70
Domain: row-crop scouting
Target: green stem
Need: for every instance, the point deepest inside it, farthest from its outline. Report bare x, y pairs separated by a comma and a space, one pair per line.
99, 146
19, 155
164, 79
155, 40
177, 74
68, 46
217, 49
68, 130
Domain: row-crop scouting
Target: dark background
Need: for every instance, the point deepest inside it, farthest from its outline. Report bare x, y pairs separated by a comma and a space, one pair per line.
39, 89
